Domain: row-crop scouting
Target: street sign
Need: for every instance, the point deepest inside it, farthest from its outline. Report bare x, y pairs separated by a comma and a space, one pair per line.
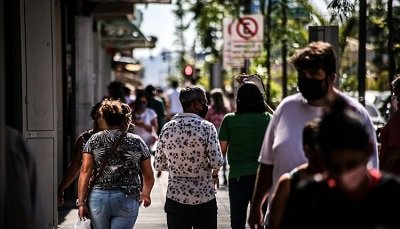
243, 39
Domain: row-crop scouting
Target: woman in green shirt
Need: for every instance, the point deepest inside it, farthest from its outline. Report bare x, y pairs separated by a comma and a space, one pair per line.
241, 136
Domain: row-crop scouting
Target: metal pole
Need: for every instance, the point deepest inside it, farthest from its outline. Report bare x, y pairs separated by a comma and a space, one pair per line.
2, 118
361, 51
284, 50
392, 64
246, 66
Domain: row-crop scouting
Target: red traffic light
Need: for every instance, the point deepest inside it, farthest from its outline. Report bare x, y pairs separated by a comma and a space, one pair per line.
188, 70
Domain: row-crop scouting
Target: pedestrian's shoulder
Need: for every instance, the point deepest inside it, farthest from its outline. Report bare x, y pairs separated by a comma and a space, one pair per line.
13, 139
354, 104
230, 115
97, 135
267, 115
207, 123
290, 102
133, 136
85, 135
390, 180
170, 123
292, 99
311, 186
158, 101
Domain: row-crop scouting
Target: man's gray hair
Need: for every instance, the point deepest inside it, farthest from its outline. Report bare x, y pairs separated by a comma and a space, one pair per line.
190, 93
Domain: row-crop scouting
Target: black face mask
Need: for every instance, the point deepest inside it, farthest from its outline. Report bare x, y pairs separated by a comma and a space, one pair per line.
312, 89
203, 111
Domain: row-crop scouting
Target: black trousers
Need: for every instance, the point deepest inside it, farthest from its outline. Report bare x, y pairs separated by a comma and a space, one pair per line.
240, 193
186, 216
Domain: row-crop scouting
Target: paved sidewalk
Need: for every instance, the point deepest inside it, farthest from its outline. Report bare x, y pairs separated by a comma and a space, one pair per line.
154, 216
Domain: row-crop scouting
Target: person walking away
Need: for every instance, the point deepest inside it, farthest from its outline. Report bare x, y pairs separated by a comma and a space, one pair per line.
173, 104
116, 195
216, 112
74, 166
217, 108
22, 205
296, 177
241, 136
390, 135
161, 95
352, 195
188, 149
115, 91
282, 149
156, 104
145, 119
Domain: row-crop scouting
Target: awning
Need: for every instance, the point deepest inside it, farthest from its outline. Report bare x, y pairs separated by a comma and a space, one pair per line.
122, 34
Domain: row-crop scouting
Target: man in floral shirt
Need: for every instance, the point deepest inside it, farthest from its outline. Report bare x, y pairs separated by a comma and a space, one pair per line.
188, 149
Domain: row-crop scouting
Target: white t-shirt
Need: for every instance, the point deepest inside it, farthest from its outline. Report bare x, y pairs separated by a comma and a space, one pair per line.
282, 146
175, 105
148, 115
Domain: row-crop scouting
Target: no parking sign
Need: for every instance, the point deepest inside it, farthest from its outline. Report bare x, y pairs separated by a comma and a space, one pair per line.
243, 39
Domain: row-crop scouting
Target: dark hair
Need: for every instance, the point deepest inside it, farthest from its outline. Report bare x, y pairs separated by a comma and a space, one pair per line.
341, 128
150, 90
310, 133
217, 97
115, 112
249, 99
140, 93
95, 110
174, 84
116, 90
317, 55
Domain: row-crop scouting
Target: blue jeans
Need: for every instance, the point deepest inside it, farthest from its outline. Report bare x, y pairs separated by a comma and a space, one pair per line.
112, 209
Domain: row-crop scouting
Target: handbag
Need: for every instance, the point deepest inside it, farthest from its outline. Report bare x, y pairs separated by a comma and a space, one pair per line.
102, 166
82, 224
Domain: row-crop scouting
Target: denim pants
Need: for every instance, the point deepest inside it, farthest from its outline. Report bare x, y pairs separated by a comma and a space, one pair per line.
240, 192
186, 216
112, 209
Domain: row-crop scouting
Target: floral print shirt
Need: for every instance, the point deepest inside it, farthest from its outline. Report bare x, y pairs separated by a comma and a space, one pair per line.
189, 150
123, 170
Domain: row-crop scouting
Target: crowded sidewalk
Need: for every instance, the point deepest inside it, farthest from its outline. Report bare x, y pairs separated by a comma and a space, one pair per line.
154, 216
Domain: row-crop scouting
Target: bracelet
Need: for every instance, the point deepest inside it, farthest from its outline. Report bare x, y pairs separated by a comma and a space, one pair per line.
78, 203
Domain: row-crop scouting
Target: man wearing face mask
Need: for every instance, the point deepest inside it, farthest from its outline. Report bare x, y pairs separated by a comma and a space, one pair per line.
390, 135
189, 150
282, 149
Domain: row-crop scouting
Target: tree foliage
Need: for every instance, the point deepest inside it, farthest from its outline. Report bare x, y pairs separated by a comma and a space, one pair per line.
207, 16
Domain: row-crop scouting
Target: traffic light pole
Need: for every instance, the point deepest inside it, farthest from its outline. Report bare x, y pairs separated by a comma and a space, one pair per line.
362, 31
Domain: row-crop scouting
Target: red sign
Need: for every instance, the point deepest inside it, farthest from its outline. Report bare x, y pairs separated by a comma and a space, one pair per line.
247, 27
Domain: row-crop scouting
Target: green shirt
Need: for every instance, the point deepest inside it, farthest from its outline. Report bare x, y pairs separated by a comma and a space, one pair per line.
244, 134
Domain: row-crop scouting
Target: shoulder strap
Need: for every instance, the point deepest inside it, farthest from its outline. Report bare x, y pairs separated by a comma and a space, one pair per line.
105, 163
